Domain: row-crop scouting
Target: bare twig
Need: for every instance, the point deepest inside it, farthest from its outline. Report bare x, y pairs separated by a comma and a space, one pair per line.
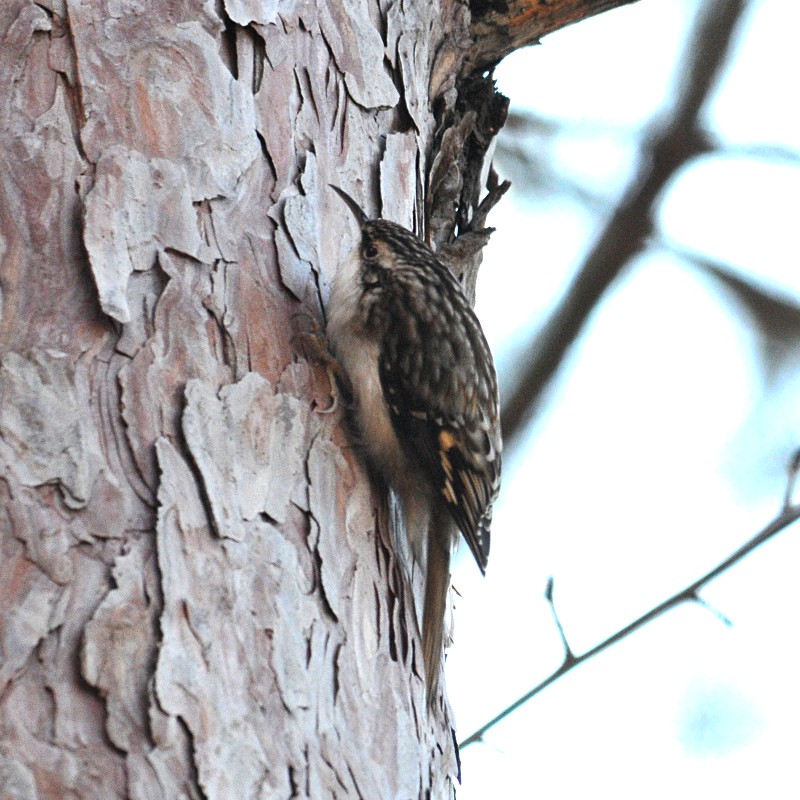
789, 513
791, 484
674, 142
767, 153
569, 656
773, 316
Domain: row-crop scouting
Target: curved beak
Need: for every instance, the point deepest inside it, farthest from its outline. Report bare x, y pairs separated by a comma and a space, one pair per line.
358, 213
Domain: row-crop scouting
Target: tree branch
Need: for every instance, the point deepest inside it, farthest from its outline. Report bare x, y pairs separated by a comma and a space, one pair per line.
500, 27
789, 514
674, 142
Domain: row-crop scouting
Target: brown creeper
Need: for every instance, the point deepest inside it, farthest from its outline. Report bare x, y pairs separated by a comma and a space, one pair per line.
425, 395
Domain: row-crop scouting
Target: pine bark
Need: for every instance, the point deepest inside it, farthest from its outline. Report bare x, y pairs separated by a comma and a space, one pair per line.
199, 595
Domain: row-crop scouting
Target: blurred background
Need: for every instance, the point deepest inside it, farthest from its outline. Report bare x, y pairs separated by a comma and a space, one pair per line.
642, 298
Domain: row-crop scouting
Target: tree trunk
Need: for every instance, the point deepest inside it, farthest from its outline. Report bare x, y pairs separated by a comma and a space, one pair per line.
199, 594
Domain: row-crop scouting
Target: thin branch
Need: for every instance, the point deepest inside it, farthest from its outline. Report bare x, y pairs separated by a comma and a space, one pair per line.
777, 308
773, 316
767, 153
569, 656
677, 140
791, 484
788, 515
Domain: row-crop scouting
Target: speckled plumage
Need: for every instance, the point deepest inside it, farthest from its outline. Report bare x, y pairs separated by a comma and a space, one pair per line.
426, 402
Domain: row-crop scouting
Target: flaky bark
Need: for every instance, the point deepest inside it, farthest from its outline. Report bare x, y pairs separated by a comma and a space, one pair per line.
198, 592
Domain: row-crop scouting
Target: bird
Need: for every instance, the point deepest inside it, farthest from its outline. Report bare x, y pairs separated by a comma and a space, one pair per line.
424, 398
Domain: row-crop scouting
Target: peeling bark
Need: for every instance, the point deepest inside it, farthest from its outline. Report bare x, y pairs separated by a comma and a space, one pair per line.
200, 593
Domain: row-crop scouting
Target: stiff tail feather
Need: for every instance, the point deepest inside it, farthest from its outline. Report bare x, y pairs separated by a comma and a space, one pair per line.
437, 584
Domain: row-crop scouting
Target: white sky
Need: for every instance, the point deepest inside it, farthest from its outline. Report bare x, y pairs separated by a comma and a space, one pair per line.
654, 458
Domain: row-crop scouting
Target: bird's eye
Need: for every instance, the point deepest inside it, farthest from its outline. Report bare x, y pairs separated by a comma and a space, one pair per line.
370, 251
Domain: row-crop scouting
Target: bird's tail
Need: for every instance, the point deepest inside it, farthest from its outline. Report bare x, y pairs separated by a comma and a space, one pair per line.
437, 584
